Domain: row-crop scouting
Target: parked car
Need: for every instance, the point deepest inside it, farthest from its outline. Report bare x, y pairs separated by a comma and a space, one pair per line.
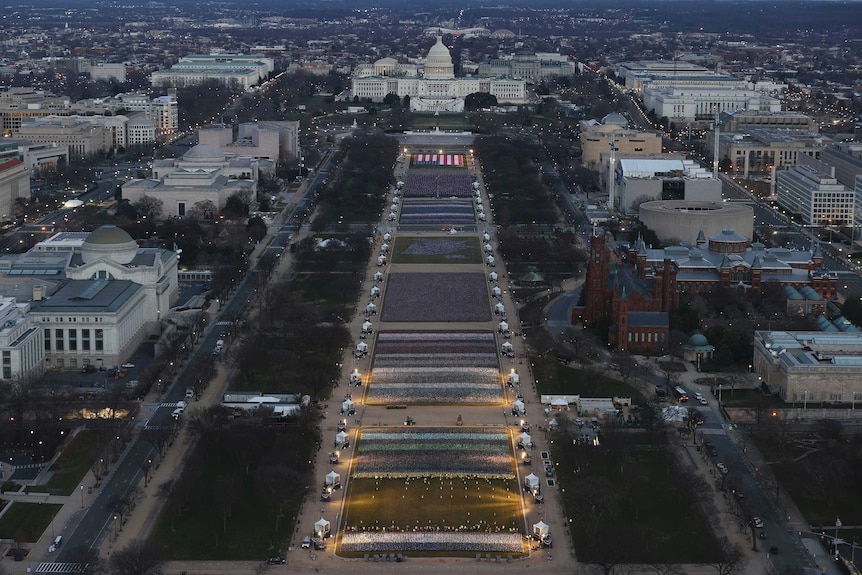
128, 365
758, 522
276, 560
306, 543
703, 401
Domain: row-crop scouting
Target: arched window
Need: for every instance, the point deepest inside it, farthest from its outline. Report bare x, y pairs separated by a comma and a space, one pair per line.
102, 275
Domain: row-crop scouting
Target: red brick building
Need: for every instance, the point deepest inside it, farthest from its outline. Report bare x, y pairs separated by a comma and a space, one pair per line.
634, 295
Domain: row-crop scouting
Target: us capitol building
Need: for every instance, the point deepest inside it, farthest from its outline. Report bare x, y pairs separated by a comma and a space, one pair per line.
434, 88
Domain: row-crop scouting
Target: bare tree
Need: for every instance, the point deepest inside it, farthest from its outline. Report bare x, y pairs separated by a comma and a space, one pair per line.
137, 558
149, 207
89, 560
732, 560
624, 364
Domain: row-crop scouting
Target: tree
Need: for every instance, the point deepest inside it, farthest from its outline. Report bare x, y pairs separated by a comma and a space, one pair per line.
256, 228
92, 562
237, 204
149, 207
732, 560
137, 558
204, 210
479, 100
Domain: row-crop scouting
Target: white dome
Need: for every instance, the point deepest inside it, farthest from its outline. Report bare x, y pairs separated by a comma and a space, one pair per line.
438, 63
109, 242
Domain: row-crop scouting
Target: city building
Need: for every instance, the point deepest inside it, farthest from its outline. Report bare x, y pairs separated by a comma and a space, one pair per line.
633, 74
21, 344
818, 198
434, 88
14, 184
532, 66
662, 177
765, 150
690, 104
162, 110
276, 141
728, 259
87, 135
804, 367
742, 120
93, 297
635, 299
203, 173
246, 70
36, 156
596, 137
675, 221
108, 72
846, 160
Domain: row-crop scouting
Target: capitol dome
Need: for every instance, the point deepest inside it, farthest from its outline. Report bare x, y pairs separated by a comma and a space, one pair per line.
438, 63
109, 242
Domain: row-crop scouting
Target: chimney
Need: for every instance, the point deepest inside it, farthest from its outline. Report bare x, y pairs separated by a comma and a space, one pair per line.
37, 293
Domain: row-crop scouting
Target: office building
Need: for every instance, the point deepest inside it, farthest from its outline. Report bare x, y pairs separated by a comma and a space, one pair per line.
818, 198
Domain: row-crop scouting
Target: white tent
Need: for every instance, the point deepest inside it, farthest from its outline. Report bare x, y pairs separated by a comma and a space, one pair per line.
452, 231
387, 236
488, 249
540, 529
481, 216
332, 478
479, 200
504, 326
493, 276
341, 438
486, 237
518, 406
531, 481
381, 261
366, 327
476, 185
399, 184
496, 291
395, 201
392, 216
378, 276
525, 440
321, 528
490, 261
393, 208
514, 378
559, 402
499, 308
507, 347
347, 405
375, 291
355, 376
371, 308
552, 423
384, 248
361, 348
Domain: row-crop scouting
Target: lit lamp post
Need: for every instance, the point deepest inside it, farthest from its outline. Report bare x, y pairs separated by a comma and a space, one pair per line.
82, 497
835, 542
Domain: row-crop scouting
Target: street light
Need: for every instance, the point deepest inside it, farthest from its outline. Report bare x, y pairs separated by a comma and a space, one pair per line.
82, 497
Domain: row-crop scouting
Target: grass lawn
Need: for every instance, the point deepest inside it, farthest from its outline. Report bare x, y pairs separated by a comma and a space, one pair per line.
194, 524
436, 250
457, 502
629, 505
556, 378
27, 521
823, 483
443, 121
73, 463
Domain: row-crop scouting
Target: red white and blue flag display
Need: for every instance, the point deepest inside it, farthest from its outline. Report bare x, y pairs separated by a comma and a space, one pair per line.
438, 160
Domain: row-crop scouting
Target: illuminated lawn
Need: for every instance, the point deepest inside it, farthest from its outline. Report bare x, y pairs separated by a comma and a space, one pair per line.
469, 502
433, 514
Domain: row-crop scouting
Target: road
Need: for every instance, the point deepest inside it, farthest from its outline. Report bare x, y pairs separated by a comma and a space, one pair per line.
128, 471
